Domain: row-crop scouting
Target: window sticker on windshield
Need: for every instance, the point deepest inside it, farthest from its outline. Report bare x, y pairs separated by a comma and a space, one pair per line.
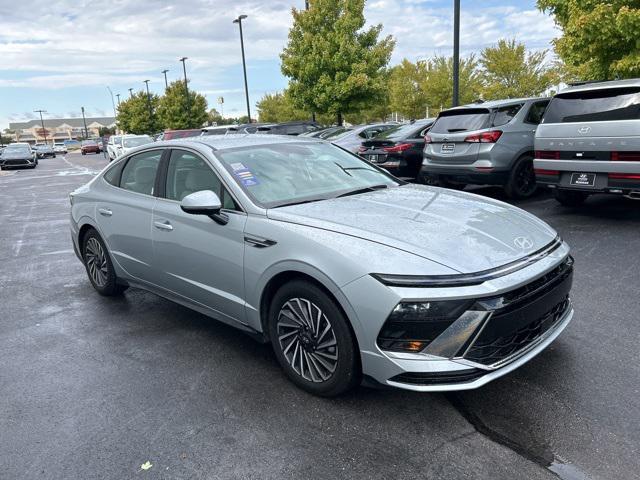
244, 175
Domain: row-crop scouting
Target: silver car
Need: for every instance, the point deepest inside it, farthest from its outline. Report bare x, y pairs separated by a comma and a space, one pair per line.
351, 274
589, 141
488, 143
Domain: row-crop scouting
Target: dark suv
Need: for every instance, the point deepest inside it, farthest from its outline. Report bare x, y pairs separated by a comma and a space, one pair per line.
489, 143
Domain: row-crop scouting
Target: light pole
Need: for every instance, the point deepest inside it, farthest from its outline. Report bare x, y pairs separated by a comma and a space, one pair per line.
186, 87
118, 97
44, 131
166, 84
146, 82
456, 53
131, 93
84, 120
244, 65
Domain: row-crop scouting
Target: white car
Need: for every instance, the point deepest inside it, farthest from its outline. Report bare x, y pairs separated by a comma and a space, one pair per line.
59, 147
129, 142
113, 146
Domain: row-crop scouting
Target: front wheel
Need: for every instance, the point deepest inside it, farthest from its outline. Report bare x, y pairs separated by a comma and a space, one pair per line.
570, 198
522, 179
312, 340
99, 267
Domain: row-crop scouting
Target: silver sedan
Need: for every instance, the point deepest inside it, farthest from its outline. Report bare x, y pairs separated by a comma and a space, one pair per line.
351, 274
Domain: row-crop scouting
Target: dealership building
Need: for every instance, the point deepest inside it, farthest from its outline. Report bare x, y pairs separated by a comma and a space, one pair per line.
59, 129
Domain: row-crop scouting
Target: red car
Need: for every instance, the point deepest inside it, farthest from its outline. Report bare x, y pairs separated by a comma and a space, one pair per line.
89, 146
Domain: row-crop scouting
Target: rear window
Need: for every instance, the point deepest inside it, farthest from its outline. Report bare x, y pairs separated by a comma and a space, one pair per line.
462, 120
411, 130
594, 106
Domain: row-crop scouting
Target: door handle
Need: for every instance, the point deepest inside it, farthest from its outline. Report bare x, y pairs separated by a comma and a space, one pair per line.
105, 212
163, 225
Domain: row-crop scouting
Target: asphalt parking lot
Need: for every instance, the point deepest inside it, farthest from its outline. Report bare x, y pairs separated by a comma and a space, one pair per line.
94, 387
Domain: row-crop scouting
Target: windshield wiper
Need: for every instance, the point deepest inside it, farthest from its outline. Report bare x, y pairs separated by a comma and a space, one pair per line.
300, 202
356, 191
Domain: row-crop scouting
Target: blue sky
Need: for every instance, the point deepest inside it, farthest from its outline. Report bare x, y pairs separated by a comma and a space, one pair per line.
65, 56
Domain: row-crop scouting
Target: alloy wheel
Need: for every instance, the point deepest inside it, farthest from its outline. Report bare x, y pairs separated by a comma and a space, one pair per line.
96, 261
307, 340
525, 179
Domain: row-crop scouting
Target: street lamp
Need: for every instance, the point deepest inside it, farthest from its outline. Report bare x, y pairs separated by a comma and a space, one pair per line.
456, 53
131, 93
118, 97
146, 82
84, 120
166, 84
44, 132
112, 102
244, 65
186, 87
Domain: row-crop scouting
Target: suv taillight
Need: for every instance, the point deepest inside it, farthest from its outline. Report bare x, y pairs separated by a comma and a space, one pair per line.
362, 149
427, 139
398, 148
547, 155
625, 156
484, 137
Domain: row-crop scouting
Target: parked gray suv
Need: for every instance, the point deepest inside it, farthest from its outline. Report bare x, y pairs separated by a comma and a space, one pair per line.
489, 143
589, 141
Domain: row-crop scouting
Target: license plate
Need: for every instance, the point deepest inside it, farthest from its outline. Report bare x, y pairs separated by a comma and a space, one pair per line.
448, 148
583, 179
372, 158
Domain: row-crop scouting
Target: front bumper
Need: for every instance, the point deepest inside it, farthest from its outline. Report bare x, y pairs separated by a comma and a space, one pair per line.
21, 162
372, 302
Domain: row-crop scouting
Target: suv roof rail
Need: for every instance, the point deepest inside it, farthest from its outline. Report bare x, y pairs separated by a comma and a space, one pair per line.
584, 82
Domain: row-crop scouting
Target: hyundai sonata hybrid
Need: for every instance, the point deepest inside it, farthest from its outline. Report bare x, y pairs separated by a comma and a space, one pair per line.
352, 275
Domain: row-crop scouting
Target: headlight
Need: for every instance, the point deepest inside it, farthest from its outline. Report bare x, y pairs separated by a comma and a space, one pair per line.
411, 326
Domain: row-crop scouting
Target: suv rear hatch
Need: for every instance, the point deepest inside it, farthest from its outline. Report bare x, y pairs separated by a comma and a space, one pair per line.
449, 132
590, 124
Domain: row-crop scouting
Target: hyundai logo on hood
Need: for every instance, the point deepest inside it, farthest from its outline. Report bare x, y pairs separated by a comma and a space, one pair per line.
523, 243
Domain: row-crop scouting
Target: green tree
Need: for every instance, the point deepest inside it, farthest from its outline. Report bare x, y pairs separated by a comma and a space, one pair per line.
102, 131
134, 116
600, 39
439, 80
177, 111
407, 92
510, 72
335, 65
279, 107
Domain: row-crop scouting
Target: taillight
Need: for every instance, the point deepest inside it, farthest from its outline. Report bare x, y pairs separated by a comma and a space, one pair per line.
427, 139
547, 155
624, 176
540, 171
398, 148
625, 156
362, 149
484, 137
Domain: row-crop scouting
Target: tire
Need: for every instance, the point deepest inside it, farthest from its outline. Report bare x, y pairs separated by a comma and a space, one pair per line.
103, 278
570, 198
522, 179
54, 155
327, 370
83, 153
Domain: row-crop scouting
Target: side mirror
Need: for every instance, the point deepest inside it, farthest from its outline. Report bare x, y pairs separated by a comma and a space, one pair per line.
204, 202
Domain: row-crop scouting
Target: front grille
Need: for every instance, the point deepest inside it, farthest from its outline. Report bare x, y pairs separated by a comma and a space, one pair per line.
523, 315
439, 378
489, 352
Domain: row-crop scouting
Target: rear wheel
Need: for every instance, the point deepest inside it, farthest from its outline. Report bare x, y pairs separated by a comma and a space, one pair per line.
570, 198
99, 267
312, 340
522, 179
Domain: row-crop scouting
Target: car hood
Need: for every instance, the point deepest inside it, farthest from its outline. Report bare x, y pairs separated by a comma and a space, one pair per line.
465, 232
15, 156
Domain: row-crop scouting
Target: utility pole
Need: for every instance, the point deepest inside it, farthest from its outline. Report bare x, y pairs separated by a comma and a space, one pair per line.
244, 65
149, 103
118, 97
44, 131
456, 53
131, 93
186, 87
166, 84
84, 120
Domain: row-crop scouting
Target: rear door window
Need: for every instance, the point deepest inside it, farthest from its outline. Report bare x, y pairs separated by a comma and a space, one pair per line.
534, 116
504, 115
139, 174
603, 105
462, 120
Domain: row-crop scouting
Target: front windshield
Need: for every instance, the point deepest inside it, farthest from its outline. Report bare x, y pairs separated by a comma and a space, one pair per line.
17, 150
280, 174
88, 142
136, 142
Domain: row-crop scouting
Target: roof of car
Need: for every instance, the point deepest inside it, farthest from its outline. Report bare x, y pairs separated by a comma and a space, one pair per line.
580, 87
223, 142
497, 103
